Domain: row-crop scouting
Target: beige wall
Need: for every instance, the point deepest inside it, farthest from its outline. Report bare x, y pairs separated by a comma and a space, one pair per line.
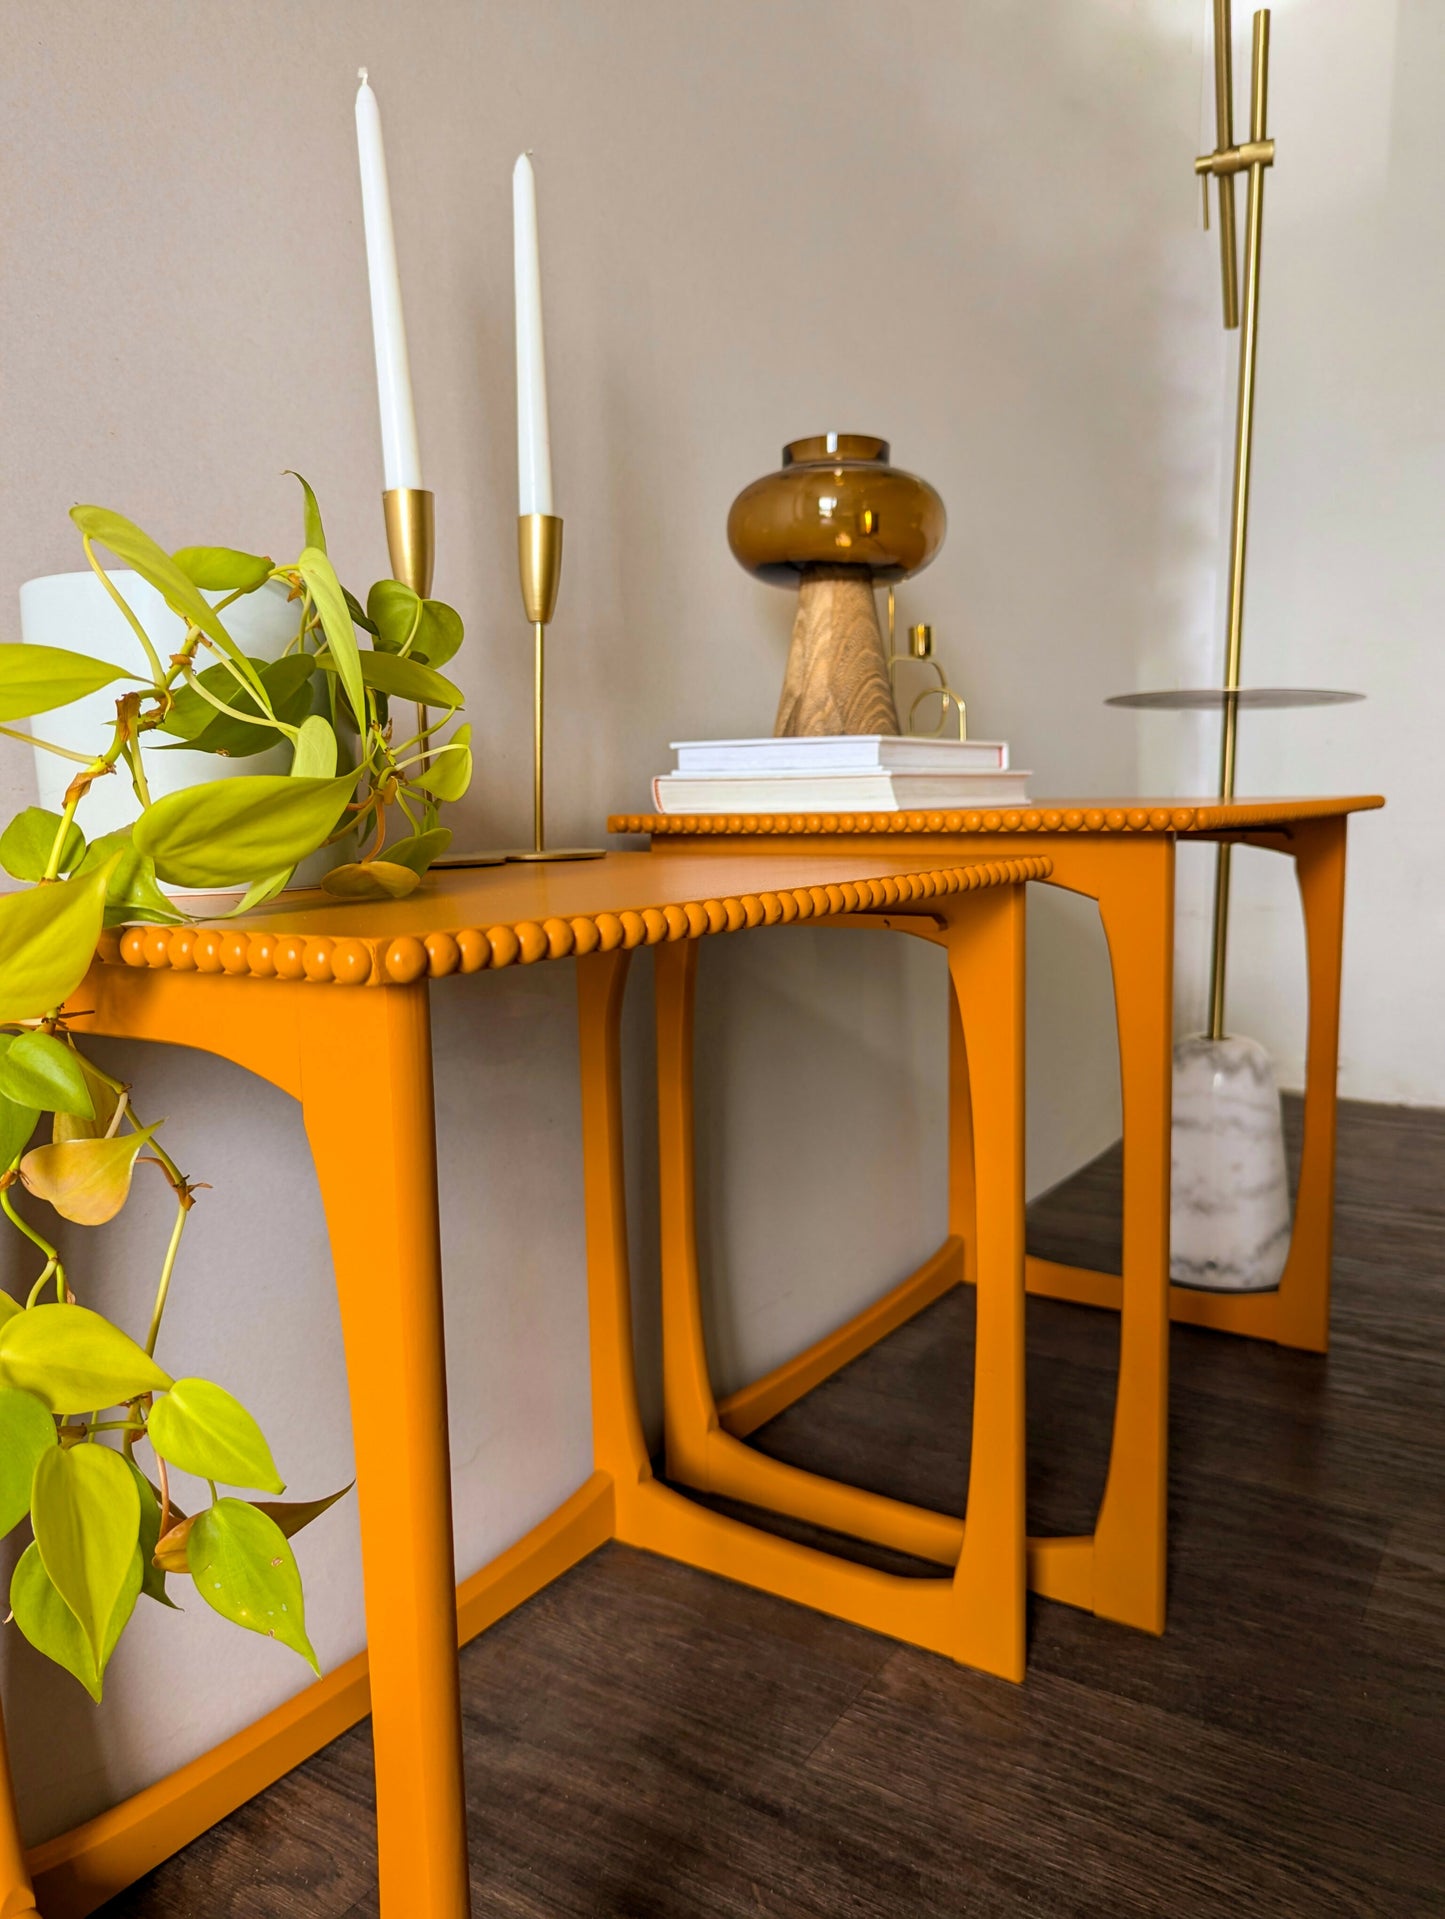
962, 224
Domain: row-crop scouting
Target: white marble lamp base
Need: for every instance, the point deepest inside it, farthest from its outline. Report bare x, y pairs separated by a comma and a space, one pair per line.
1229, 1220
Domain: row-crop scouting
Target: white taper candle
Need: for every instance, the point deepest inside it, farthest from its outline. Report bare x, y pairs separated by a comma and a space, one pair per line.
534, 448
400, 461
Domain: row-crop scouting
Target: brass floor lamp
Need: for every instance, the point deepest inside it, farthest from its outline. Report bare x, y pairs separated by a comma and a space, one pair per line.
1229, 1224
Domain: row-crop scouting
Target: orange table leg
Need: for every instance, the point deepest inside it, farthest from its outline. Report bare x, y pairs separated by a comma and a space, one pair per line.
1304, 1289
366, 1090
618, 1445
986, 966
17, 1897
962, 1176
1129, 1534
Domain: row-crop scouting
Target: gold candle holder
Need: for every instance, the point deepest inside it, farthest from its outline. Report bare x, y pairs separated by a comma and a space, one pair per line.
411, 542
539, 564
410, 536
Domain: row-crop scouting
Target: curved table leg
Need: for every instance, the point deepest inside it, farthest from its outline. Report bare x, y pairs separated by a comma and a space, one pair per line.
1129, 1535
366, 1091
986, 970
1304, 1288
17, 1895
619, 1447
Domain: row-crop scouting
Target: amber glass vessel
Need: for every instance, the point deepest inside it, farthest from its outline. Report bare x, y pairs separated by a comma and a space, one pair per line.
837, 502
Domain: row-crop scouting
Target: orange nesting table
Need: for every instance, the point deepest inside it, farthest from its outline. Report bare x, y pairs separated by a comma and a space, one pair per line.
329, 1001
1121, 854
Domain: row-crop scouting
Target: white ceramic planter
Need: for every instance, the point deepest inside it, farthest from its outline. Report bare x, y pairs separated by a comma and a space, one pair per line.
74, 610
1229, 1220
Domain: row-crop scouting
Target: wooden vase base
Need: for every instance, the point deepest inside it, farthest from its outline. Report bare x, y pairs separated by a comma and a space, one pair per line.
837, 678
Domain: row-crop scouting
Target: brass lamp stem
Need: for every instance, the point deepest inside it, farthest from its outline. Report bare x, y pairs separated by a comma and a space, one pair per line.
1224, 164
1223, 141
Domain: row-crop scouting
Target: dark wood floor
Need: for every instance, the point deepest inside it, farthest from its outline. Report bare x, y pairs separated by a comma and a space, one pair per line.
646, 1741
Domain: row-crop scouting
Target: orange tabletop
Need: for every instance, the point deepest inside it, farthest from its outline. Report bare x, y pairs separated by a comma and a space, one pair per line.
1040, 816
465, 919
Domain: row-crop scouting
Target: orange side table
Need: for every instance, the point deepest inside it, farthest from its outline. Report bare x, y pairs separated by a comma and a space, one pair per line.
1120, 853
330, 1002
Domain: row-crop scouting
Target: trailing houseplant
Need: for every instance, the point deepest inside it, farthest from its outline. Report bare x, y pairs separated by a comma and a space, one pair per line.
91, 1425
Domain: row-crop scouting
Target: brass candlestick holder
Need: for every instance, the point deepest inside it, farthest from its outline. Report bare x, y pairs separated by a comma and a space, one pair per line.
539, 563
411, 543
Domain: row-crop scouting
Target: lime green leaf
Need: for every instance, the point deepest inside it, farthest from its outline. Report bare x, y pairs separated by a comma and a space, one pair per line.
449, 772
418, 850
441, 633
26, 1432
261, 891
199, 1427
201, 729
39, 1070
244, 1568
73, 1360
103, 1102
139, 550
221, 569
395, 611
17, 1123
315, 533
325, 590
132, 893
393, 607
225, 832
371, 880
86, 1514
190, 714
359, 615
53, 1629
37, 679
47, 941
85, 1180
402, 677
26, 842
8, 1307
315, 755
153, 1580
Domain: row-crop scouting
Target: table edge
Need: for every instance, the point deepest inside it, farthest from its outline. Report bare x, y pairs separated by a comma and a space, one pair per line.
355, 960
1195, 817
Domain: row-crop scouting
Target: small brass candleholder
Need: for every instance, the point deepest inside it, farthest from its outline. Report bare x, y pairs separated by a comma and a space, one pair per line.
539, 563
410, 540
920, 652
410, 536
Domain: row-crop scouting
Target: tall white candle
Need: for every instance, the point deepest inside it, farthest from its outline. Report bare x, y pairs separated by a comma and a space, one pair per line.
534, 447
400, 462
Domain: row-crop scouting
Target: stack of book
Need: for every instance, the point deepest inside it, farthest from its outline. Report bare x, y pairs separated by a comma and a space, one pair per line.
838, 773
